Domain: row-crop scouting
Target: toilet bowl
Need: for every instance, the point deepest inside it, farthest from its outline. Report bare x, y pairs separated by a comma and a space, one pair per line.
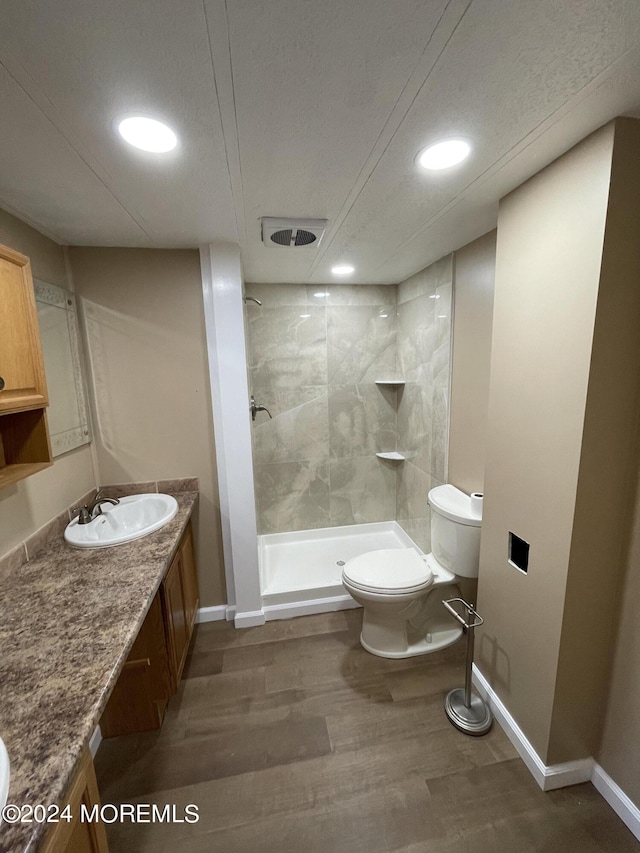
402, 590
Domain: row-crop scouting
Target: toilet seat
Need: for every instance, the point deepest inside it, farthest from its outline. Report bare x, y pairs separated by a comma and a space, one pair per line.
392, 571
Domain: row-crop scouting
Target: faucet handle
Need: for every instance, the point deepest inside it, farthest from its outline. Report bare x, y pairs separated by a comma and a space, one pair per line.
83, 514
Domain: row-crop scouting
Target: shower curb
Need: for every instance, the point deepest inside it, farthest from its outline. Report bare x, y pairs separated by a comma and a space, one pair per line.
309, 607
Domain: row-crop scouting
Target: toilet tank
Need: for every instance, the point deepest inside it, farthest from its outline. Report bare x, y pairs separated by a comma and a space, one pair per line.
455, 531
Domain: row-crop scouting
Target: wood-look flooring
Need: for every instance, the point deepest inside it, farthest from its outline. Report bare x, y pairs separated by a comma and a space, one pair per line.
291, 738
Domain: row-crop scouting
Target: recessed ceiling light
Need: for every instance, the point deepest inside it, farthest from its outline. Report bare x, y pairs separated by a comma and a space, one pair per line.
434, 296
444, 154
305, 316
321, 294
343, 269
148, 134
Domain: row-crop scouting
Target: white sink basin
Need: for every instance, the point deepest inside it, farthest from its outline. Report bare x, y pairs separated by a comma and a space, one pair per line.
4, 775
134, 517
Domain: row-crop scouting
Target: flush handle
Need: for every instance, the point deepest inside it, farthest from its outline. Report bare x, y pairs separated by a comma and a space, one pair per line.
1, 383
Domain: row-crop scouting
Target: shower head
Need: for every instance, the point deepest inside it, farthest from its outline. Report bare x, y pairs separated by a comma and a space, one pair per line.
252, 299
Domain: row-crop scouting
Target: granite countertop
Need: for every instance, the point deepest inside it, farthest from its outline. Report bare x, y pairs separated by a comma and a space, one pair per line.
68, 620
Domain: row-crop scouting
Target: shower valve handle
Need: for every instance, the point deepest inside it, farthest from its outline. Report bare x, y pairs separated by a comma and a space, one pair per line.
254, 408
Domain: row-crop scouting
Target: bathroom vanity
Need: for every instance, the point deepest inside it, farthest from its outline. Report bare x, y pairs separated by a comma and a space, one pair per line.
81, 636
153, 669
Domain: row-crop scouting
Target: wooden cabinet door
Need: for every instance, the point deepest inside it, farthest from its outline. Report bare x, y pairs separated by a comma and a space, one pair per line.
189, 578
175, 619
21, 364
141, 694
79, 836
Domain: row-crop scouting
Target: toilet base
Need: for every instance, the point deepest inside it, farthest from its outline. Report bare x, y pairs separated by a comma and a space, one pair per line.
433, 642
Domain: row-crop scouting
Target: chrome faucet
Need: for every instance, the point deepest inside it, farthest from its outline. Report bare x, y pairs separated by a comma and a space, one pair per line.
93, 509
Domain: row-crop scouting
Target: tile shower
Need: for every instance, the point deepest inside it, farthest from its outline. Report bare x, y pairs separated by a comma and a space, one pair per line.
315, 353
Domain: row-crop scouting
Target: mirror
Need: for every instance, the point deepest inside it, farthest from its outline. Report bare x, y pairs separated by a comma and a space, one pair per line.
67, 412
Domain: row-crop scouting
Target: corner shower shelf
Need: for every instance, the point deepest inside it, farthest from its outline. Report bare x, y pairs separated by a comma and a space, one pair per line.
393, 455
391, 382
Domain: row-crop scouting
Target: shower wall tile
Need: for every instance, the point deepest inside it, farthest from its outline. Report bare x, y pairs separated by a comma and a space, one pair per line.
284, 400
443, 270
288, 348
347, 294
277, 295
315, 461
292, 496
316, 375
414, 424
417, 285
440, 366
423, 283
362, 420
412, 510
299, 429
441, 359
361, 343
439, 431
363, 490
424, 360
416, 338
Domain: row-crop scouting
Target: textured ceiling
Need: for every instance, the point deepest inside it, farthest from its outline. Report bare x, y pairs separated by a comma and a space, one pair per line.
299, 108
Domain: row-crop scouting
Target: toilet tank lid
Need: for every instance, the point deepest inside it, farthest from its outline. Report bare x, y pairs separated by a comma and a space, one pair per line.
453, 504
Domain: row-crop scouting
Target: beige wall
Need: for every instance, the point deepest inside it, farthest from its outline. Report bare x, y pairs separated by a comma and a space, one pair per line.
607, 467
619, 751
475, 266
33, 502
549, 247
47, 257
562, 454
619, 319
144, 333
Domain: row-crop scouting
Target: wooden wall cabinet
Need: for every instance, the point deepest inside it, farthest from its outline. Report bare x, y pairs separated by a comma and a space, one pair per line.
78, 836
21, 363
154, 667
24, 437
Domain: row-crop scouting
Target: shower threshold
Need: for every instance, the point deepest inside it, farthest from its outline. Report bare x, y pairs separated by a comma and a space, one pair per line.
301, 571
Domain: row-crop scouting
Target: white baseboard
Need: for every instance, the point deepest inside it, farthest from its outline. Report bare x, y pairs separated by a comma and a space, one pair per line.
249, 618
94, 741
560, 775
625, 808
212, 614
309, 607
548, 777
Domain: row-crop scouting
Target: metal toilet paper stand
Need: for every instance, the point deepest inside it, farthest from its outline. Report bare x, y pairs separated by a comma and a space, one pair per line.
466, 710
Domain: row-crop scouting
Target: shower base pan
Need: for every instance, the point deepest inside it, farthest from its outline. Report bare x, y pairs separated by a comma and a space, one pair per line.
301, 571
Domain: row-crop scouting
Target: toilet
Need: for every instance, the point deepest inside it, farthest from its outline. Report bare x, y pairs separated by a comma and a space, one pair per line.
402, 590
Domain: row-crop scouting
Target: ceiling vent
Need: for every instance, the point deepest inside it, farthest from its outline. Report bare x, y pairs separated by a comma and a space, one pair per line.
292, 233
